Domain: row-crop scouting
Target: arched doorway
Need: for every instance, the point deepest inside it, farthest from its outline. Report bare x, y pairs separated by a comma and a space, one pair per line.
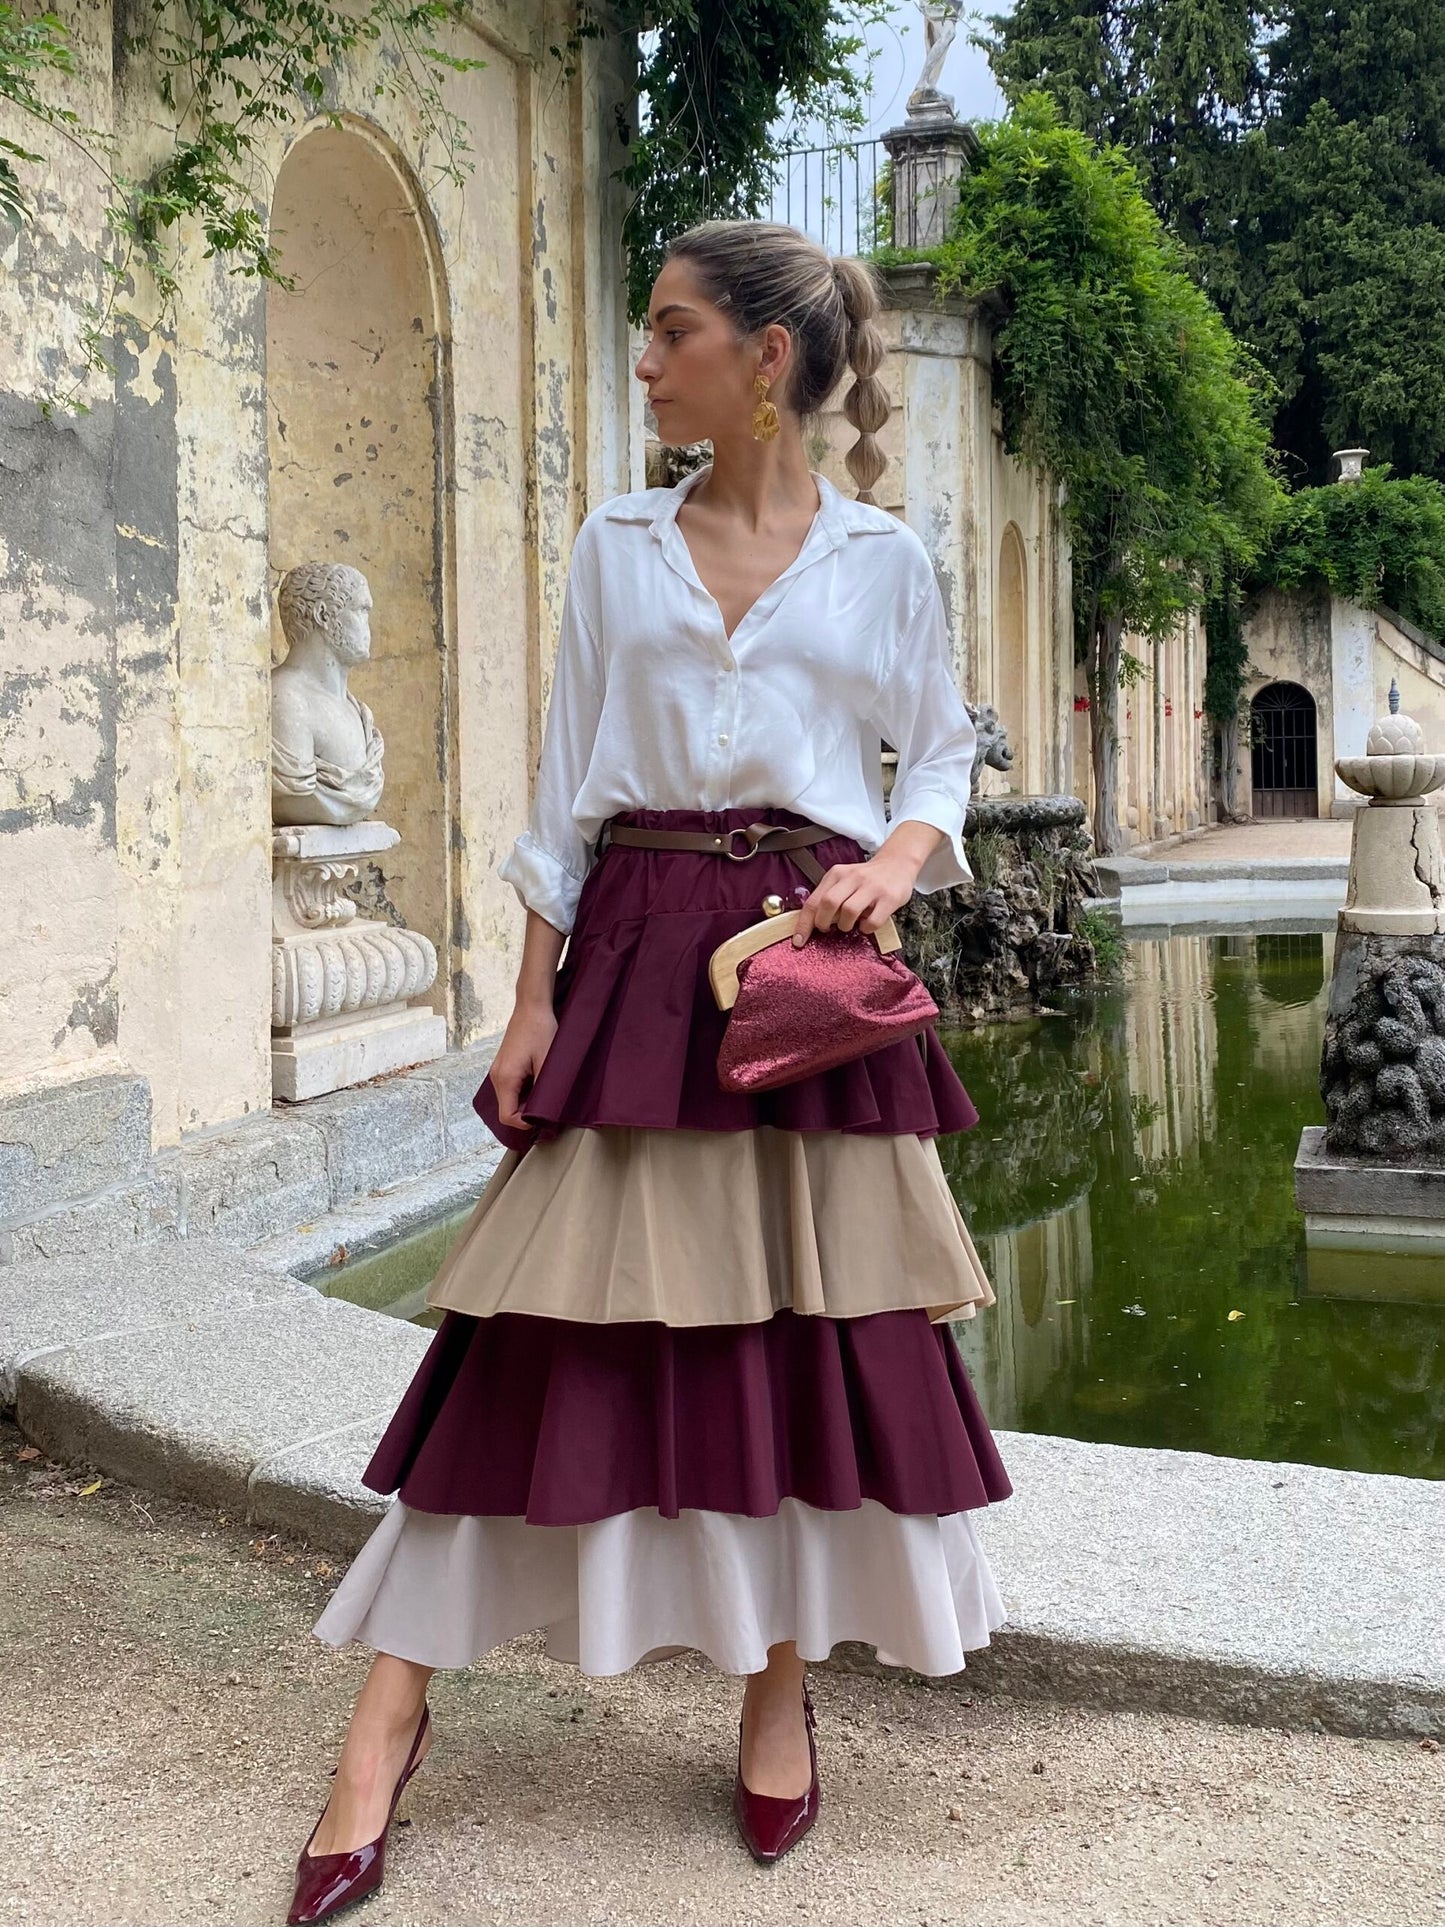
356, 381
1284, 753
1011, 648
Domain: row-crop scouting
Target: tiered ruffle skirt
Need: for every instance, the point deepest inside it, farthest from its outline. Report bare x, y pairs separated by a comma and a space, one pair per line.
695, 1386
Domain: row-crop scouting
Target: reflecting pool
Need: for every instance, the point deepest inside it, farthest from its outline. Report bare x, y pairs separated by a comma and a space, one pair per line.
1130, 1187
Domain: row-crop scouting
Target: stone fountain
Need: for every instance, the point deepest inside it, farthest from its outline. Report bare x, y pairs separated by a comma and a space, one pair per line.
340, 983
1003, 944
1373, 1177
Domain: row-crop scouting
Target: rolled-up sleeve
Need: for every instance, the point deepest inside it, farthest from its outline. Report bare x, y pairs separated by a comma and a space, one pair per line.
920, 711
548, 862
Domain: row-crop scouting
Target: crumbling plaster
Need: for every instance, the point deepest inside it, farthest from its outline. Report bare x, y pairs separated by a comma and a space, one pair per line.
137, 570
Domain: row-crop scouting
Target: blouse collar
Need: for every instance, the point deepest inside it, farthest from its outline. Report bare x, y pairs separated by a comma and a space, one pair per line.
836, 515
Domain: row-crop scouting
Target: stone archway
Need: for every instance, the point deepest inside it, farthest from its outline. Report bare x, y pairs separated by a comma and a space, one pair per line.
1284, 751
356, 379
1011, 649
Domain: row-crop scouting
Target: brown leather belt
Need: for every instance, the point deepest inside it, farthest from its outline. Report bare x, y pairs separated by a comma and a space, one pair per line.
760, 836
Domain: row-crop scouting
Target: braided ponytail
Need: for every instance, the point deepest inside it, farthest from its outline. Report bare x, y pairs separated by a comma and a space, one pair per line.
866, 402
762, 272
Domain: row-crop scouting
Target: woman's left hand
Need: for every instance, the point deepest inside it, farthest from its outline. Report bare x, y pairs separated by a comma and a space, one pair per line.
858, 896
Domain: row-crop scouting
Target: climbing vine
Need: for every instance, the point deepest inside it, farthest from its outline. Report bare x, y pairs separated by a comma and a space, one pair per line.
32, 53
228, 72
711, 87
1116, 375
1380, 539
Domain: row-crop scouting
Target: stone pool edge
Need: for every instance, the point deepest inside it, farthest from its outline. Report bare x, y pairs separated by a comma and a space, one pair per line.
1242, 1590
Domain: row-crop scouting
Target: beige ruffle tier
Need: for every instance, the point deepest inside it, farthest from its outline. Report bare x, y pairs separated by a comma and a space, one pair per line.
613, 1223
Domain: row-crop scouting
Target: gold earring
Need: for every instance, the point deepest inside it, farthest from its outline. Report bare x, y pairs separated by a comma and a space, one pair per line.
765, 415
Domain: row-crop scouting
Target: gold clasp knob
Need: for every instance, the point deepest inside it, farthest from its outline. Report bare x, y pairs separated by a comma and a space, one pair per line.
772, 905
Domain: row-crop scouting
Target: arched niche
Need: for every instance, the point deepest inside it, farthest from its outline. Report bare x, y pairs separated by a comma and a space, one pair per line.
1011, 647
356, 378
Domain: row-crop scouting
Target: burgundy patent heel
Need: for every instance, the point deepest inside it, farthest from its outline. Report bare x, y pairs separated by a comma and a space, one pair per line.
768, 1825
328, 1882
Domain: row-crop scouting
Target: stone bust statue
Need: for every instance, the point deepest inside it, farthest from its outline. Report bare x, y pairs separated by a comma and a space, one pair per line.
325, 748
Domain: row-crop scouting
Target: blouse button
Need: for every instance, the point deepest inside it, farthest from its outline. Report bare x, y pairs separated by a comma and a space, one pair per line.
722, 738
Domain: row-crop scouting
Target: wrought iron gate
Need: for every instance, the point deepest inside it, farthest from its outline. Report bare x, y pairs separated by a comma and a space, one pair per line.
1284, 751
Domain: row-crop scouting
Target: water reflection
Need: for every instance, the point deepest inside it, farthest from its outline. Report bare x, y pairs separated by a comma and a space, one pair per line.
1130, 1185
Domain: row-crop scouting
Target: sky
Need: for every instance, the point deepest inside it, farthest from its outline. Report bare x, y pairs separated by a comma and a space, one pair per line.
898, 46
829, 198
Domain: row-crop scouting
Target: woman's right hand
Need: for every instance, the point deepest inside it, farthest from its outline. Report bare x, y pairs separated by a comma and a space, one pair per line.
520, 1055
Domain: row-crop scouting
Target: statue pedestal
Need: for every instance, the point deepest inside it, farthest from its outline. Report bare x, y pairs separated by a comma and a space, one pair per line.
1373, 1179
1397, 877
930, 153
340, 982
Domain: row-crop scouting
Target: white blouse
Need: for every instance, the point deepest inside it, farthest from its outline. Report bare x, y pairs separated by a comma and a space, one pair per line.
653, 706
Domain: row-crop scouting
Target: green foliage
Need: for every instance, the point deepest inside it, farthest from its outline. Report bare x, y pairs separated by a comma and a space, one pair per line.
230, 73
1115, 372
1378, 540
31, 51
1101, 931
987, 850
711, 89
1226, 653
1298, 152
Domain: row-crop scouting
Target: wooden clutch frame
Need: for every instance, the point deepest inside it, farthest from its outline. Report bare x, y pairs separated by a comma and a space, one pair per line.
722, 968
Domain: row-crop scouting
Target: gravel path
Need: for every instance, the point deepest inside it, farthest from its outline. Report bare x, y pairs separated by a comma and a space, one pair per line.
168, 1721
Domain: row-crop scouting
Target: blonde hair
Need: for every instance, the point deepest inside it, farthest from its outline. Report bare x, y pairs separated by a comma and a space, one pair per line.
760, 272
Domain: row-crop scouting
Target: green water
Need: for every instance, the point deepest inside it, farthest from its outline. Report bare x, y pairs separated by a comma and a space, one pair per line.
395, 1279
1130, 1187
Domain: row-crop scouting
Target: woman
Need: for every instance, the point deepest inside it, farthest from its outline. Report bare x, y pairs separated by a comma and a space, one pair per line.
693, 1389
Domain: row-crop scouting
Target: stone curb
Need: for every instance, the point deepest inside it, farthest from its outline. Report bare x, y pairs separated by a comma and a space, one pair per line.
1220, 1588
1116, 874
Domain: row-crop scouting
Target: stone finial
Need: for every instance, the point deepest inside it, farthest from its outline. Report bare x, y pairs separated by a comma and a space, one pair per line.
1397, 873
325, 747
1395, 767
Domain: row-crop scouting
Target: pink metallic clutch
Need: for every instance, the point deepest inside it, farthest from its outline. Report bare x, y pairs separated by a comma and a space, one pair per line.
797, 1011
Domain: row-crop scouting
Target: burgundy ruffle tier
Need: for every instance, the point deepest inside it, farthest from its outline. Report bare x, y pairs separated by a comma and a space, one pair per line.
638, 1029
563, 1423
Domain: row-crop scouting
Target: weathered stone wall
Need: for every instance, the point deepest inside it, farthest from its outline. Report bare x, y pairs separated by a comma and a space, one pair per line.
448, 441
1163, 782
991, 525
1346, 656
1289, 637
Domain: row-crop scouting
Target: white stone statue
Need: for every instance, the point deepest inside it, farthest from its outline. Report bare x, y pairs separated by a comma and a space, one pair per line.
940, 23
325, 747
